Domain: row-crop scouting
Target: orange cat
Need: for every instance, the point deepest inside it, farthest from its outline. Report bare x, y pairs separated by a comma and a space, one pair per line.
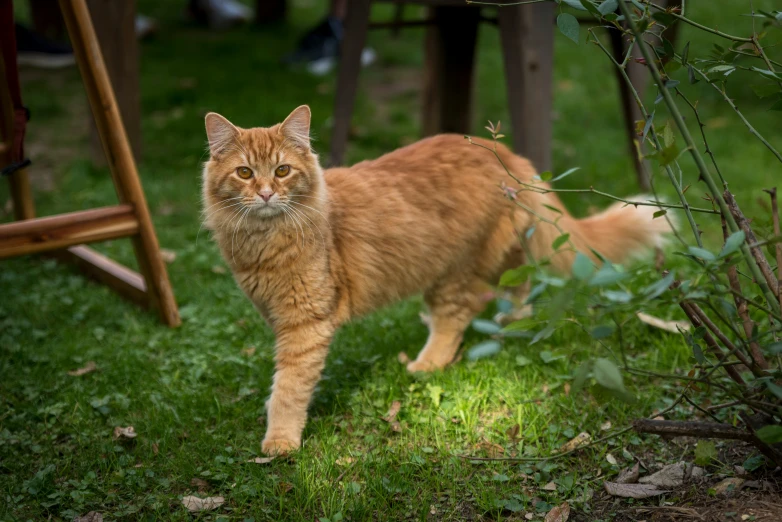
313, 249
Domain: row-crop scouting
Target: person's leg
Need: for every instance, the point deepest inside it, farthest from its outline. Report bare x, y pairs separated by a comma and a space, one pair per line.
37, 51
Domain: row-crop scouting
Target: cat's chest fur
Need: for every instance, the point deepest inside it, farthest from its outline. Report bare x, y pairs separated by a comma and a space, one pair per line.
288, 282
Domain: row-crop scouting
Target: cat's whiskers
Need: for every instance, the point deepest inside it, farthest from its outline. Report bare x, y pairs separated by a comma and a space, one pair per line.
302, 214
238, 224
203, 222
314, 210
296, 228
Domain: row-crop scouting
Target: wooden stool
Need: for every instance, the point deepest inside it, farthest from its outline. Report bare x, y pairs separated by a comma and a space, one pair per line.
65, 234
527, 39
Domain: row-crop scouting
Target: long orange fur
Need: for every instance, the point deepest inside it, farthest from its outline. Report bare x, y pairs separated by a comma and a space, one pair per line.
428, 218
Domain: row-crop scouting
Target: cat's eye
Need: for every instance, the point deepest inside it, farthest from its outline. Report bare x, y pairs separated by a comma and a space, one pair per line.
282, 171
244, 172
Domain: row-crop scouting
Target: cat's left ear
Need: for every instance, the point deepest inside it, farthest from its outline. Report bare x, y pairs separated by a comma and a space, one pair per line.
296, 126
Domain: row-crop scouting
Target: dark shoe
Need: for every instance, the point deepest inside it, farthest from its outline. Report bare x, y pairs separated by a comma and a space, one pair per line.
319, 48
36, 51
219, 14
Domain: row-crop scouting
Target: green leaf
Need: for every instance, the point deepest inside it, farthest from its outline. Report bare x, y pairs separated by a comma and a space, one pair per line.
691, 75
609, 6
523, 361
664, 18
553, 209
765, 72
484, 349
618, 296
435, 392
484, 326
546, 175
602, 331
547, 357
517, 276
685, 53
775, 389
607, 275
766, 90
705, 452
770, 434
561, 240
656, 289
520, 325
775, 348
589, 6
702, 253
565, 174
733, 243
668, 137
753, 462
535, 292
668, 154
568, 25
580, 376
575, 4
659, 213
607, 375
582, 267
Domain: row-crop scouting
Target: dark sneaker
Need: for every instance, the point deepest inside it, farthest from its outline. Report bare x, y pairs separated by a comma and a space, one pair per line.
145, 26
219, 14
319, 48
36, 51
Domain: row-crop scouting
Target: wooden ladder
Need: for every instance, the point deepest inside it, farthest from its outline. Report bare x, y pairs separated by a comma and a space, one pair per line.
65, 235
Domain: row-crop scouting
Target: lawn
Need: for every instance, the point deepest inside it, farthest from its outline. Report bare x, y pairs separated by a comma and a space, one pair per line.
195, 395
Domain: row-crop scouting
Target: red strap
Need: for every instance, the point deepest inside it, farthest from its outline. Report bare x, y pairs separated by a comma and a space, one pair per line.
8, 50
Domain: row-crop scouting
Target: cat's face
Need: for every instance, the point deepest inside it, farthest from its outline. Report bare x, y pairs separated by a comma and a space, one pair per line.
260, 173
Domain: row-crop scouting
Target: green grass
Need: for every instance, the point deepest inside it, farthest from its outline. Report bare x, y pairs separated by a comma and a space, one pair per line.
197, 400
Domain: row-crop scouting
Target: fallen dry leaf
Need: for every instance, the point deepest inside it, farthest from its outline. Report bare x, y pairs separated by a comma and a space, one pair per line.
662, 324
344, 461
671, 476
611, 459
529, 516
550, 487
558, 513
261, 460
632, 490
567, 394
88, 368
403, 358
201, 484
155, 448
219, 269
285, 487
628, 475
125, 433
728, 485
576, 442
249, 351
513, 432
605, 426
195, 504
392, 413
169, 256
92, 516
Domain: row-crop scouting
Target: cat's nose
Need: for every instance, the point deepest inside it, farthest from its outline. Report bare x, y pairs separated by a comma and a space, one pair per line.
266, 194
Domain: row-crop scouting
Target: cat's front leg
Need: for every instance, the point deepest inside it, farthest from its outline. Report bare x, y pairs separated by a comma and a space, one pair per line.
300, 358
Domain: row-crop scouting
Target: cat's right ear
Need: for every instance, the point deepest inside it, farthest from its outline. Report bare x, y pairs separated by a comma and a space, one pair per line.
220, 133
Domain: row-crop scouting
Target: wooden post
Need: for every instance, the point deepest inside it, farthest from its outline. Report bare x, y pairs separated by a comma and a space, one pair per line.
118, 153
448, 69
356, 27
527, 35
114, 24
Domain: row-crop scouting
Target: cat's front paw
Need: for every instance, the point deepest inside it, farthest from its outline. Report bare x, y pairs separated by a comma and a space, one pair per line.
423, 366
278, 447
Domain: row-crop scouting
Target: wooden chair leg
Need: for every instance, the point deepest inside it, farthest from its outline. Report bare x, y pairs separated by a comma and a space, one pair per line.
21, 195
449, 69
355, 36
630, 109
527, 35
115, 142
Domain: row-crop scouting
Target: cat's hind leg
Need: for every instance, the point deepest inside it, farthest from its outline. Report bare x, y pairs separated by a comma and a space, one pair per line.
452, 306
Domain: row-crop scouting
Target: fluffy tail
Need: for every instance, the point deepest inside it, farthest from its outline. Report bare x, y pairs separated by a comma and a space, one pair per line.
618, 233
